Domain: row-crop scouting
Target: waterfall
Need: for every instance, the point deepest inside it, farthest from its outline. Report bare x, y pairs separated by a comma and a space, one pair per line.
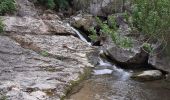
79, 34
102, 63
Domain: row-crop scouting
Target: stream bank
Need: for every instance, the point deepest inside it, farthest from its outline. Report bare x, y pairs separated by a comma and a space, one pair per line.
109, 82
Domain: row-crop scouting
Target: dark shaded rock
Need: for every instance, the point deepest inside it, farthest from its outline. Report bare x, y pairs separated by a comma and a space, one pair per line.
127, 57
99, 7
160, 62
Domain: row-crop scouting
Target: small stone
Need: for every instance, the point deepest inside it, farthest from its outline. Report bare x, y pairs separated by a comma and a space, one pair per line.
148, 75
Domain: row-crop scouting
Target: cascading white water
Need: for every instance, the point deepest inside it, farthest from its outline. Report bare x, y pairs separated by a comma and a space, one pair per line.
122, 74
79, 35
102, 71
125, 75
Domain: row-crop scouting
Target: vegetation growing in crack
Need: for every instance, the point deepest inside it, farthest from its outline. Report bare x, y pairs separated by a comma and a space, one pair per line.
44, 53
86, 74
2, 97
1, 26
111, 30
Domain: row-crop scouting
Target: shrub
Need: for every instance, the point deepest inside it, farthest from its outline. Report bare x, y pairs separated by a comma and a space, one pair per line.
152, 17
7, 6
111, 30
51, 4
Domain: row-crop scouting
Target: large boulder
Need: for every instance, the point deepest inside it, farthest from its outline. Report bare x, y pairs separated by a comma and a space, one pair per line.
32, 75
132, 57
148, 75
83, 21
99, 7
26, 8
128, 58
160, 62
31, 25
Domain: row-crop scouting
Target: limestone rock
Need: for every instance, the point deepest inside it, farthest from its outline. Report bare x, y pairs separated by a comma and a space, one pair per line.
84, 21
31, 25
99, 7
160, 62
26, 8
24, 71
148, 75
130, 57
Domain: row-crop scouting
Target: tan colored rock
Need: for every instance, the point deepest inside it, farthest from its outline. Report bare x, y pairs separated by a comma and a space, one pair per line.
31, 25
24, 71
84, 21
99, 7
148, 75
26, 8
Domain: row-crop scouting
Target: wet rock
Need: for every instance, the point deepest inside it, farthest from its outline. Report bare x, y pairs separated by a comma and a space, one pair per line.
99, 7
31, 25
84, 21
148, 75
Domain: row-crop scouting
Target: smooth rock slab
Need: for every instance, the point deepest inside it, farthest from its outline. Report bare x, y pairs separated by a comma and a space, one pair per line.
148, 75
31, 25
23, 71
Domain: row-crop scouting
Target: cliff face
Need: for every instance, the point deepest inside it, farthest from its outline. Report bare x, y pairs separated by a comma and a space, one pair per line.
99, 7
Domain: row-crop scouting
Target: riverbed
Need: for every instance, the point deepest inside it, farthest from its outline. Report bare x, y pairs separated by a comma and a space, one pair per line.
109, 82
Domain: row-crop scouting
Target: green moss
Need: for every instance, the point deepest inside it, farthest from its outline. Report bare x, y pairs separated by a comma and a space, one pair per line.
2, 97
86, 74
44, 53
1, 26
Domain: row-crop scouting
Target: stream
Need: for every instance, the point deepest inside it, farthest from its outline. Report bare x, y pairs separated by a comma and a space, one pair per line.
109, 82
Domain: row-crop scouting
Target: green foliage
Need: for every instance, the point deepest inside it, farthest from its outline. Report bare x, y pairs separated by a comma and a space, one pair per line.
51, 4
147, 47
3, 97
63, 4
111, 30
152, 17
93, 36
44, 53
1, 26
7, 6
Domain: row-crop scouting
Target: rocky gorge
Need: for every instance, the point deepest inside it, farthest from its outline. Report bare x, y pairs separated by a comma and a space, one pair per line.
43, 56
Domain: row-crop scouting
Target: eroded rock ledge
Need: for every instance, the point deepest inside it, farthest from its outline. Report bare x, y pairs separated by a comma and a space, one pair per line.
39, 56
